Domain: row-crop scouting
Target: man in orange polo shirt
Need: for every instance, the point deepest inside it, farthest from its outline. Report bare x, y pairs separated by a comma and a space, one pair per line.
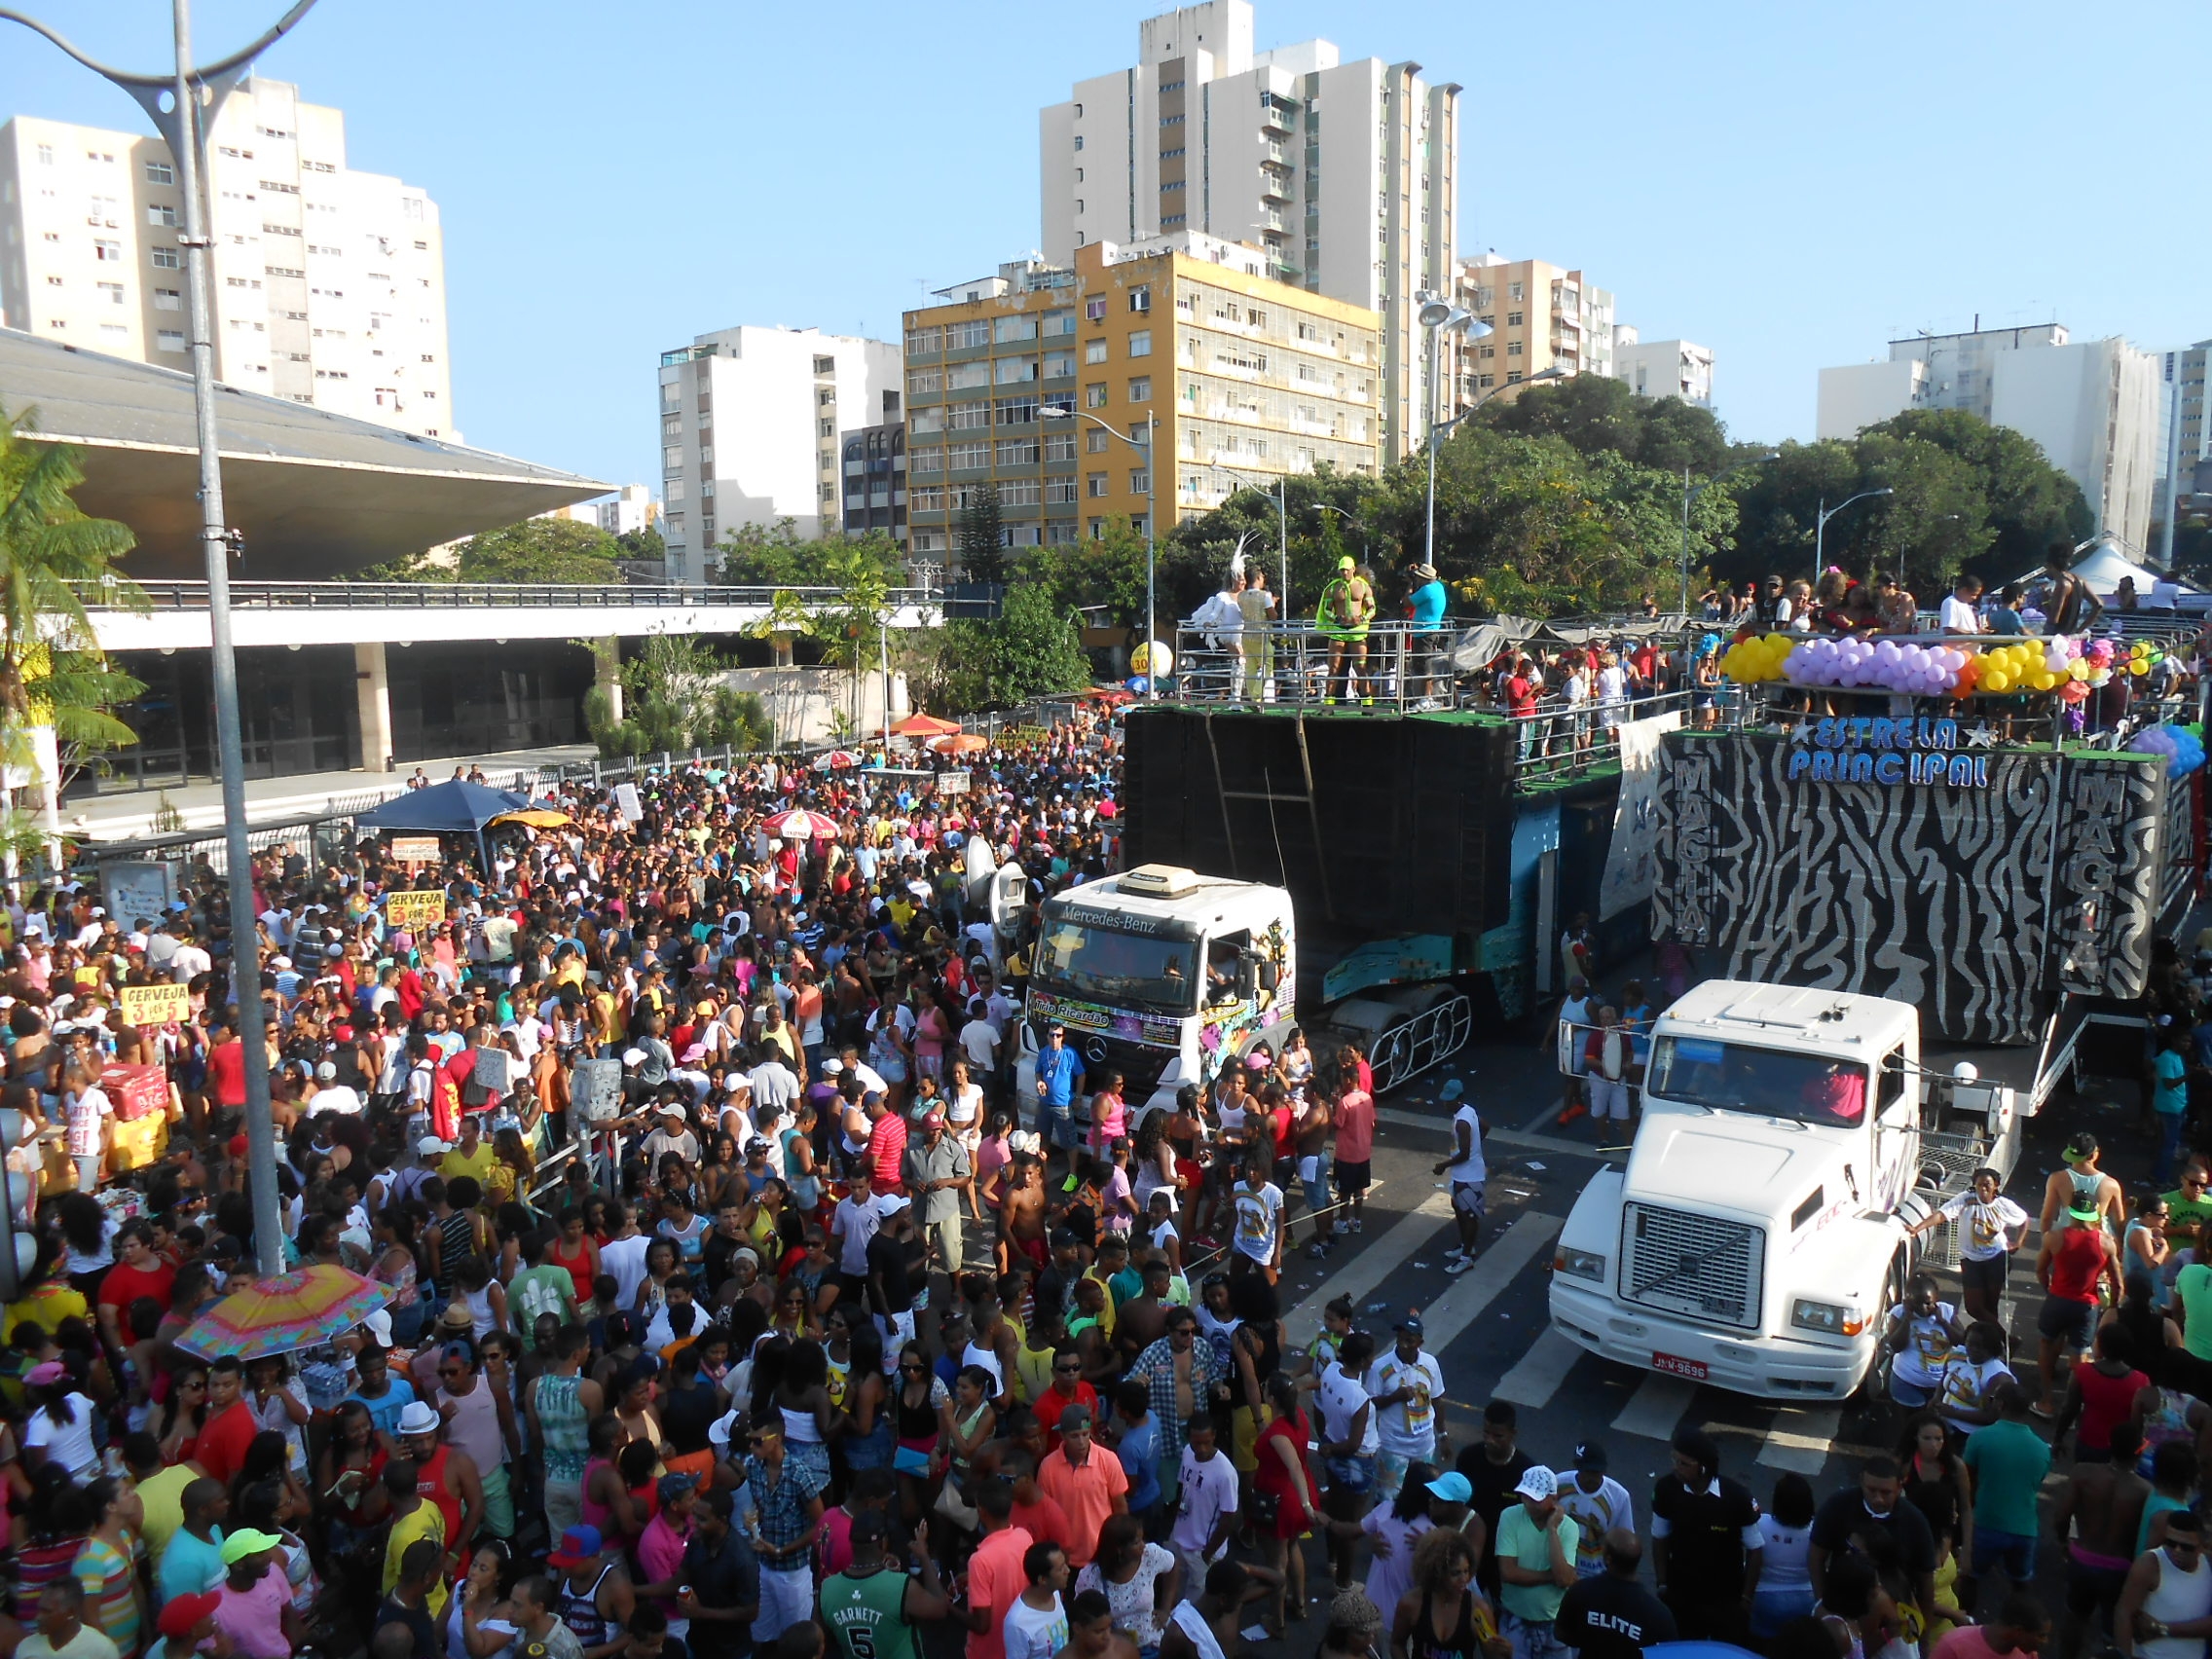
996, 1577
1086, 1481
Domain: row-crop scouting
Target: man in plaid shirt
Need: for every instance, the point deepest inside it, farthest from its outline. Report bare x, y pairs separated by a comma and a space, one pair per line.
787, 1518
1179, 1373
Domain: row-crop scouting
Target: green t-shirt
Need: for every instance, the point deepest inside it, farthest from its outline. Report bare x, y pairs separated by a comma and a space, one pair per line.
2184, 1213
2009, 1460
2173, 1083
543, 1289
2193, 1285
1523, 1541
866, 1614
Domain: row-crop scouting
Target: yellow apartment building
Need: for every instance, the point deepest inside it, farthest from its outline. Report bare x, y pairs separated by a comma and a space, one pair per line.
1057, 385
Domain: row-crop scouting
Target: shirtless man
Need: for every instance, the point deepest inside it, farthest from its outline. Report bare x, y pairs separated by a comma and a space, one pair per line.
2081, 1182
1347, 604
1142, 1320
1022, 1215
2104, 1502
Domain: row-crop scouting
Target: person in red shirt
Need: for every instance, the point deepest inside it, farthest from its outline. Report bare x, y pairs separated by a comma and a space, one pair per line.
225, 1070
887, 1151
1068, 1389
230, 1424
995, 1573
138, 1271
1041, 1517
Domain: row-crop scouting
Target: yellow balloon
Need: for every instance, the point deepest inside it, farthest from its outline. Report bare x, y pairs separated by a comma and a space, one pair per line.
1996, 679
2139, 667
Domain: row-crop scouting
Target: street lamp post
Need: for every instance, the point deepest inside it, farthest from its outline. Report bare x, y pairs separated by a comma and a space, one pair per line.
1822, 513
193, 98
1690, 495
1282, 494
1151, 525
1440, 316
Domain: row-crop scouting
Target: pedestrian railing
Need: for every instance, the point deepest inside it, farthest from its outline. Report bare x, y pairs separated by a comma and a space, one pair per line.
167, 596
1391, 665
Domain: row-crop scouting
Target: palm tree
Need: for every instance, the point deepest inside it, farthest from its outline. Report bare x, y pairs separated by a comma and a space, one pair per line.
55, 566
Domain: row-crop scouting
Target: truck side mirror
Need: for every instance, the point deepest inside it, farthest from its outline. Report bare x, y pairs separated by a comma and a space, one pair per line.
1270, 976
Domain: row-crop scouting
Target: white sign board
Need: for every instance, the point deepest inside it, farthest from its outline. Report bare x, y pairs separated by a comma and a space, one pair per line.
626, 799
952, 783
1629, 861
596, 1087
135, 889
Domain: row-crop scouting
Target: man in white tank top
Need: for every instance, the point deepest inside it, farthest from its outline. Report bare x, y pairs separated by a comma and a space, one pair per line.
2165, 1609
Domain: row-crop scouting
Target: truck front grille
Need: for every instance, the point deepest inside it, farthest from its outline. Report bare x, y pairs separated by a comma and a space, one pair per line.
1697, 1265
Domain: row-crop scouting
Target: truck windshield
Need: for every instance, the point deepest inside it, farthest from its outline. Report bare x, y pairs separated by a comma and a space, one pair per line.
1775, 1082
1146, 971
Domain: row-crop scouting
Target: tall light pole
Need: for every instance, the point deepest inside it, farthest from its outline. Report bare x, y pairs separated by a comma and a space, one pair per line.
1282, 494
1150, 524
193, 98
1822, 513
1690, 495
1440, 316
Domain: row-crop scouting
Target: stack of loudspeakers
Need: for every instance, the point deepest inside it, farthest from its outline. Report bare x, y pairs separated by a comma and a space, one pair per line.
1408, 827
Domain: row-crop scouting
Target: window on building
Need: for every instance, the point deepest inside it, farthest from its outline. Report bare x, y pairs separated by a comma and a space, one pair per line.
963, 336
1079, 140
1059, 365
1140, 298
1094, 309
1006, 330
672, 457
1016, 452
925, 383
112, 292
965, 417
926, 460
168, 299
824, 365
825, 398
1094, 483
1096, 441
964, 377
1095, 395
1512, 375
46, 154
968, 458
1016, 411
1022, 493
1485, 349
1012, 371
1513, 348
929, 421
1060, 446
1140, 481
1514, 320
1057, 322
924, 341
1515, 290
111, 253
1140, 342
159, 215
1140, 389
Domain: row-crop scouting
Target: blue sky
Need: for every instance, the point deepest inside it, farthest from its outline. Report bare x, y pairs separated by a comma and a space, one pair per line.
1790, 185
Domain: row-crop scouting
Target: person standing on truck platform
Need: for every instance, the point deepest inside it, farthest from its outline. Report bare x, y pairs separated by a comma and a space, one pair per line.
2081, 1185
1706, 1544
2071, 1264
1469, 1174
1990, 1228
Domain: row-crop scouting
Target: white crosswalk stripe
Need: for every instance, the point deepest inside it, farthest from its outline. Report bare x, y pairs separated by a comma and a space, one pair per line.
1474, 1290
1656, 1406
1375, 1262
1536, 1378
1800, 1438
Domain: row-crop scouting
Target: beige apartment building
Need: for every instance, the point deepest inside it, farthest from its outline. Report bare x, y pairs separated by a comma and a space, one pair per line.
328, 285
1246, 378
1541, 315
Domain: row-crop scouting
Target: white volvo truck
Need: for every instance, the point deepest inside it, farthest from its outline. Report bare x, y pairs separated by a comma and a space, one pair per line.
1754, 1238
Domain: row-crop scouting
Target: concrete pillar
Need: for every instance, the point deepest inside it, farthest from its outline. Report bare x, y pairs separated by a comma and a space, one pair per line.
607, 674
371, 687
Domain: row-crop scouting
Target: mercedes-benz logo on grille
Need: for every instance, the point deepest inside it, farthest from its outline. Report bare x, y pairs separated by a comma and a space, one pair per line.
1095, 1049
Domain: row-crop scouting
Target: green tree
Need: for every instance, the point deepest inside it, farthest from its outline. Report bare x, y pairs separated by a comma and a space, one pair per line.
1596, 414
755, 554
2031, 503
542, 550
1031, 649
978, 536
675, 698
55, 563
645, 545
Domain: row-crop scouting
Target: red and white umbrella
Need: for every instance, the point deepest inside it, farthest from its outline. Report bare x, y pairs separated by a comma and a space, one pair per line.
837, 760
801, 824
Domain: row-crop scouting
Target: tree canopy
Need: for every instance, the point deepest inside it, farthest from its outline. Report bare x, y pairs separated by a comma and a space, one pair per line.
755, 554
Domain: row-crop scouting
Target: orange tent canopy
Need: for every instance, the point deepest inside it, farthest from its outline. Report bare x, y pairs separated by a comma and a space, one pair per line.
925, 726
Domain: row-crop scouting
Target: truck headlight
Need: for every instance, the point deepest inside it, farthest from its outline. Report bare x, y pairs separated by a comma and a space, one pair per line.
1581, 1264
1825, 1317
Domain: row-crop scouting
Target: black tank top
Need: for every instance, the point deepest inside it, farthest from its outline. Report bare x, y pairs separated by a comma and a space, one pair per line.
1464, 1643
916, 1422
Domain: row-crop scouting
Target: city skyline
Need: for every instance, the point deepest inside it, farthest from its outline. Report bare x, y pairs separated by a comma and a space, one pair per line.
1773, 188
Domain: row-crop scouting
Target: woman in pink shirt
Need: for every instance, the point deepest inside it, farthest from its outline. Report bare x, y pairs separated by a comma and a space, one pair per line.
1109, 1114
1354, 1123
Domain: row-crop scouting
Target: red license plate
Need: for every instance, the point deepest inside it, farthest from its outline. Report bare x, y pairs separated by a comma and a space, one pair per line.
1674, 1365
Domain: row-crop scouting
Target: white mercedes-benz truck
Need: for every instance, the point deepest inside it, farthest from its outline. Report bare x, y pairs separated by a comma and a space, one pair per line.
1755, 1236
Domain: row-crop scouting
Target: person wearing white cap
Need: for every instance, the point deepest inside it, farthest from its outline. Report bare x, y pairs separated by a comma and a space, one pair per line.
1536, 1544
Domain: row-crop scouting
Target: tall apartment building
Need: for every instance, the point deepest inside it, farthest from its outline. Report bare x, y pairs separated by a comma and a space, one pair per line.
2092, 405
1663, 368
752, 429
1346, 176
1242, 374
875, 480
328, 285
629, 509
1541, 315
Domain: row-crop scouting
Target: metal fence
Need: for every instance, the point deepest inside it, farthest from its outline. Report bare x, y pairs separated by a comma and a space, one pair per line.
475, 596
1394, 665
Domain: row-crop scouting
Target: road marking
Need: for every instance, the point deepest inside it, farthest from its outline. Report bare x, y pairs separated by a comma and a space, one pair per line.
1411, 1233
1802, 1438
1542, 1370
1656, 1406
1494, 1137
1474, 1290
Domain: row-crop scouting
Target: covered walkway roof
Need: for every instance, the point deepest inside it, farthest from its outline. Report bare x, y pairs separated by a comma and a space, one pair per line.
315, 494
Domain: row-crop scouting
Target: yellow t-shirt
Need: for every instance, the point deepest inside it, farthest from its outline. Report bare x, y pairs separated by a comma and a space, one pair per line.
162, 1496
475, 1166
427, 1522
47, 1304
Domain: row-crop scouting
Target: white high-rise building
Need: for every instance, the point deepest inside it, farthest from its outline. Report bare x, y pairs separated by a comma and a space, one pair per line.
2092, 405
1663, 368
328, 285
752, 421
1346, 174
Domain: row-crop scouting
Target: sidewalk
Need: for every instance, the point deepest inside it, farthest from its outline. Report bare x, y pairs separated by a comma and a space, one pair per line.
128, 817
